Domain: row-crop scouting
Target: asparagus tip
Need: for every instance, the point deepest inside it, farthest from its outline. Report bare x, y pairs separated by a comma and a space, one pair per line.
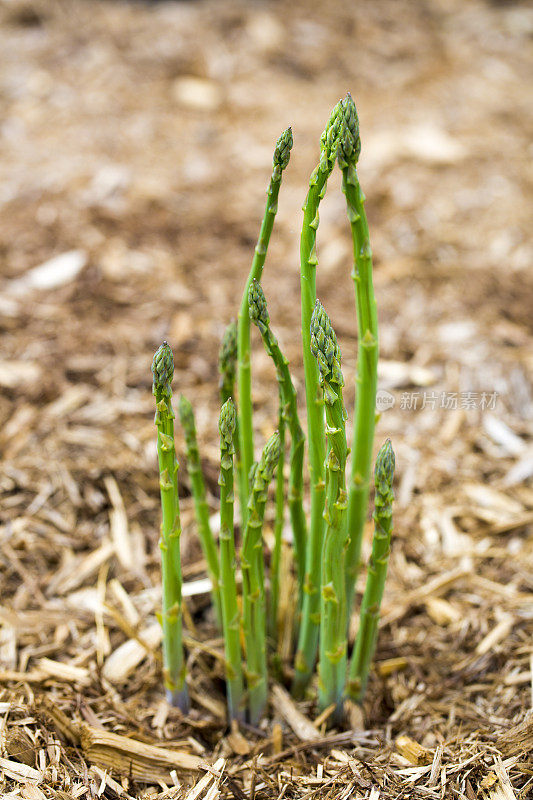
163, 369
282, 153
227, 358
257, 304
349, 139
269, 458
186, 412
385, 464
227, 421
324, 347
330, 139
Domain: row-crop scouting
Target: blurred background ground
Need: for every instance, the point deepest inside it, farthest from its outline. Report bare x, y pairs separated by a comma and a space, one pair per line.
136, 142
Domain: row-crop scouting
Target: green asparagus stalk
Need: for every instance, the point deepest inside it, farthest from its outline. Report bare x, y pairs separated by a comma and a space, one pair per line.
228, 586
253, 594
244, 376
275, 560
259, 315
227, 367
377, 573
169, 543
333, 630
367, 357
310, 618
201, 508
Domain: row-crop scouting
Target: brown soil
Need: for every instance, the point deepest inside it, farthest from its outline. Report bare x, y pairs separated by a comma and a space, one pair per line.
140, 135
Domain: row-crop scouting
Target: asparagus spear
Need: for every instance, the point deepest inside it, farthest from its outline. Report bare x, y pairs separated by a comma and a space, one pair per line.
310, 619
253, 593
333, 644
275, 559
377, 573
244, 378
169, 543
201, 508
228, 587
259, 315
227, 362
227, 367
367, 359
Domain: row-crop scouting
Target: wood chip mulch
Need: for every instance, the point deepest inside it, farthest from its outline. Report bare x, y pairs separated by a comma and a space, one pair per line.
136, 144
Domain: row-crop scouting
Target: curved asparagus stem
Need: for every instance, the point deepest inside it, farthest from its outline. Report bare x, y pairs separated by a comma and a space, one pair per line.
275, 559
228, 587
333, 643
201, 508
169, 542
253, 589
377, 573
367, 357
244, 378
259, 315
310, 618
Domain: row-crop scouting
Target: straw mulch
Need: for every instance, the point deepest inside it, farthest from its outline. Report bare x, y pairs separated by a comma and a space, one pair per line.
136, 143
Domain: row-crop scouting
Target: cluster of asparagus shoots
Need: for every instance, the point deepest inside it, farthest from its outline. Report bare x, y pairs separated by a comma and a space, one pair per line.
327, 545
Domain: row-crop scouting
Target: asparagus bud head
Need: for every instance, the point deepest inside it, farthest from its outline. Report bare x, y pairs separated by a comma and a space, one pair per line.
267, 463
325, 349
282, 153
186, 413
257, 306
384, 470
329, 141
163, 370
349, 140
227, 422
227, 359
